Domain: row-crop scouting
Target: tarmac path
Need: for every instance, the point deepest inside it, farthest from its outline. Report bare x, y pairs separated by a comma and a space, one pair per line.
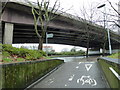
78, 73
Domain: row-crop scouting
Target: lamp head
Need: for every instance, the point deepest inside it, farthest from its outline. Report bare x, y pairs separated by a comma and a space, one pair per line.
101, 6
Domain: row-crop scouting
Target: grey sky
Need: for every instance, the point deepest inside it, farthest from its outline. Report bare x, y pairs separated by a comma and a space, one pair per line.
75, 6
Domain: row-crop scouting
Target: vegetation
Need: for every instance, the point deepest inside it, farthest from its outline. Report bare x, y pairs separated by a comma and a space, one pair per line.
67, 53
11, 54
43, 15
20, 75
115, 55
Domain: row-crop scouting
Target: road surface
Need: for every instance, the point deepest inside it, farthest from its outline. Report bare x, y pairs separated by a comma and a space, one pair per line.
75, 74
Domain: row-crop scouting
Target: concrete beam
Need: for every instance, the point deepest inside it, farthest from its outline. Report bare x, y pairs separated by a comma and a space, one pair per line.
8, 33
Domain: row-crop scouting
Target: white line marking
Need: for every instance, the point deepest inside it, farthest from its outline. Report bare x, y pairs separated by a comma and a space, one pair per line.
71, 77
77, 67
51, 82
89, 62
65, 85
80, 62
88, 66
115, 73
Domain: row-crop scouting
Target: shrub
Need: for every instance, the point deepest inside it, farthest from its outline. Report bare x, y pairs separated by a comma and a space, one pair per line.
20, 59
22, 52
7, 60
33, 54
115, 55
42, 52
6, 54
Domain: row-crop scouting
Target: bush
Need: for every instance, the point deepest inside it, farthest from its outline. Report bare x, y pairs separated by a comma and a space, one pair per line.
115, 55
6, 54
22, 52
42, 52
20, 59
67, 53
7, 60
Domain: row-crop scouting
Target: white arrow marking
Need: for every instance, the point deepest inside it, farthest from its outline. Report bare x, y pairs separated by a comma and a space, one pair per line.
88, 66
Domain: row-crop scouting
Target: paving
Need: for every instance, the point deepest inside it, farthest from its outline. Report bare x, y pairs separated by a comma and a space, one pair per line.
75, 74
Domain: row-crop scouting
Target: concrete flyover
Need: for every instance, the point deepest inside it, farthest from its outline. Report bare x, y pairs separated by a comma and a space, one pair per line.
18, 27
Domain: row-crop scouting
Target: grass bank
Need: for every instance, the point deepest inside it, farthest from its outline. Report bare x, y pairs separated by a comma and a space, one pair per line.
13, 54
115, 55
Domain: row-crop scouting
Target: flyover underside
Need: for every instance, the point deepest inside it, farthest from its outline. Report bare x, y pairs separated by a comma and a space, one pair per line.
66, 30
26, 34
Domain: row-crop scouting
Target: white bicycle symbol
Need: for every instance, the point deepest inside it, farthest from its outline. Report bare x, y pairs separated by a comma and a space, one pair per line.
87, 80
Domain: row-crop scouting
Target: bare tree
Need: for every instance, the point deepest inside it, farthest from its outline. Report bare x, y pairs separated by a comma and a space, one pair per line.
3, 4
43, 14
88, 16
116, 15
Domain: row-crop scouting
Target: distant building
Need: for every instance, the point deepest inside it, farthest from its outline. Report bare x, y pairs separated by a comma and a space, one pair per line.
48, 49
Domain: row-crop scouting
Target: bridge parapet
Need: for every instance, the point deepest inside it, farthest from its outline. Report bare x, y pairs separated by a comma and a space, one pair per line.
111, 69
64, 14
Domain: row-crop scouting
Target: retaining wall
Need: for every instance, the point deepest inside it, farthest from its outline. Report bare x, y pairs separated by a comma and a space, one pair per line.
22, 74
111, 69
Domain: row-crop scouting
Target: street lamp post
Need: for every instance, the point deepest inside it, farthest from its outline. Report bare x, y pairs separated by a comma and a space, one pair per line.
108, 32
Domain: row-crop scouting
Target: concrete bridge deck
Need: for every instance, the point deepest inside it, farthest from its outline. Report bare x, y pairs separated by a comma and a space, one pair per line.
18, 27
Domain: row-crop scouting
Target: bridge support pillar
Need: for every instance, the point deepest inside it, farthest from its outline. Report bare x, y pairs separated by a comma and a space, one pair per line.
8, 33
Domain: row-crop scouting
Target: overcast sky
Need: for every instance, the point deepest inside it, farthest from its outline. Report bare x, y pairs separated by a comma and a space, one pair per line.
76, 5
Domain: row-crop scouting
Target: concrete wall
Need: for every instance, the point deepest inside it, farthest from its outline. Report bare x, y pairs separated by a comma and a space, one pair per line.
8, 33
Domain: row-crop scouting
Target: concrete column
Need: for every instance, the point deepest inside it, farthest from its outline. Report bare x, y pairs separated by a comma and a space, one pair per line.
8, 33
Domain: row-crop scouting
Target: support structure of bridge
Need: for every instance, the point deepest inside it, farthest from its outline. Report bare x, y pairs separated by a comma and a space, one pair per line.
18, 27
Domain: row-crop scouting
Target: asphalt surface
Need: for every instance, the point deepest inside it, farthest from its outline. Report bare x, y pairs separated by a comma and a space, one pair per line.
78, 73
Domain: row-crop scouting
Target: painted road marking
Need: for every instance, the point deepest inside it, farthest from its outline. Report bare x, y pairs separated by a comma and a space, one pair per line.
80, 62
88, 66
50, 81
77, 67
65, 85
115, 73
71, 77
87, 80
89, 62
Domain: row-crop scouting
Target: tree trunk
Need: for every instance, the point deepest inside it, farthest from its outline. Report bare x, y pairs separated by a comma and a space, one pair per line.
87, 47
104, 49
40, 46
104, 43
87, 43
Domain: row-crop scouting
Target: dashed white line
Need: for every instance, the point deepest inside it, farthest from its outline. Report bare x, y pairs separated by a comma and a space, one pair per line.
65, 85
77, 67
71, 77
51, 82
80, 62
